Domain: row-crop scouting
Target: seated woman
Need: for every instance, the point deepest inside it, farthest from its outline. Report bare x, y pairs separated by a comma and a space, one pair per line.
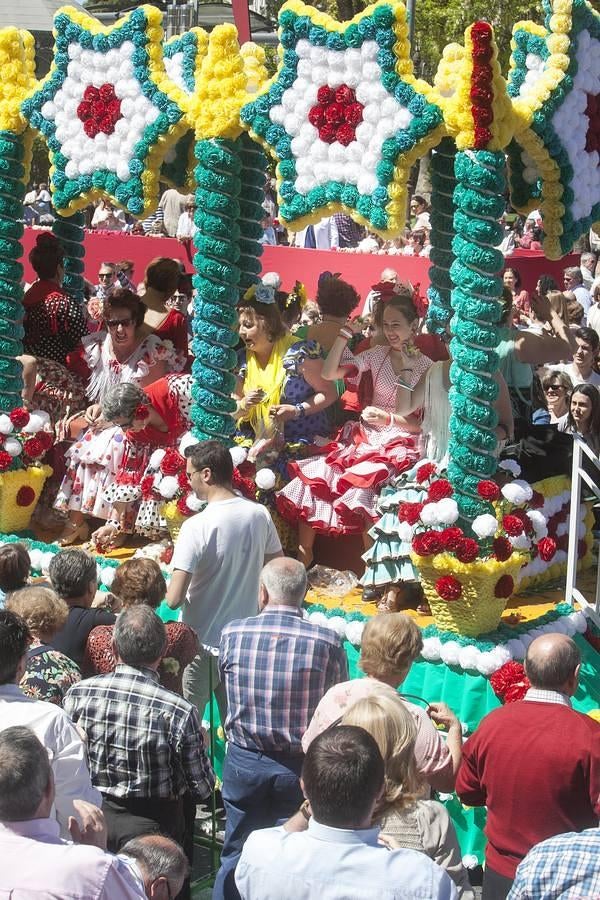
335, 493
140, 582
106, 465
48, 674
407, 820
583, 417
161, 281
336, 300
390, 645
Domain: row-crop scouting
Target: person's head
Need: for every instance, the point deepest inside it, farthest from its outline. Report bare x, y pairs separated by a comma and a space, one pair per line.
162, 864
139, 638
397, 318
584, 410
389, 276
552, 663
546, 283
574, 309
418, 204
572, 277
560, 304
390, 644
588, 260
47, 257
43, 186
557, 387
43, 611
139, 581
588, 342
162, 276
15, 638
74, 576
15, 566
209, 466
336, 297
417, 239
126, 405
596, 293
123, 314
387, 719
107, 274
343, 777
282, 582
368, 326
26, 782
259, 324
126, 267
190, 206
511, 279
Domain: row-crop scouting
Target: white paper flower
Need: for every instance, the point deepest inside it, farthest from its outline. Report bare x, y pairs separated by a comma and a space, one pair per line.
194, 503
510, 465
12, 446
517, 492
486, 664
432, 647
156, 459
354, 632
6, 426
485, 526
107, 575
318, 618
450, 652
338, 623
272, 279
520, 542
406, 532
168, 487
36, 423
538, 521
188, 440
238, 455
265, 479
447, 511
468, 657
429, 514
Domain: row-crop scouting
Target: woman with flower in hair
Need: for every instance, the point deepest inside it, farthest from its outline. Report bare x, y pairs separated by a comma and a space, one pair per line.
335, 493
105, 470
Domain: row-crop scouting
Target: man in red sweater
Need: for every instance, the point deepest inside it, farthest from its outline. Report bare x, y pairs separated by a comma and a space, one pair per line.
535, 764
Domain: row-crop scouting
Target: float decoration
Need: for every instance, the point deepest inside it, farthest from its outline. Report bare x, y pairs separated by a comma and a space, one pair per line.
443, 183
344, 116
71, 232
253, 174
107, 123
555, 90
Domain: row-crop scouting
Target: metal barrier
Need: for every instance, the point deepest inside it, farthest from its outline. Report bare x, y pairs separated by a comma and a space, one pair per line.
579, 475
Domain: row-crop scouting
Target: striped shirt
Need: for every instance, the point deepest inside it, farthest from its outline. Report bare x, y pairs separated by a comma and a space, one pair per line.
276, 667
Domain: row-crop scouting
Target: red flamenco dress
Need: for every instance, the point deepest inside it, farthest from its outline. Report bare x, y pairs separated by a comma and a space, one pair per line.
336, 492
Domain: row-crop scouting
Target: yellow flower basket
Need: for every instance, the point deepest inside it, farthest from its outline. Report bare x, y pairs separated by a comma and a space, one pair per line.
173, 518
477, 610
19, 493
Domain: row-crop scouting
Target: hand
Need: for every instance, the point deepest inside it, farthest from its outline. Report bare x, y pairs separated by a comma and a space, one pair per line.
252, 398
389, 841
541, 307
103, 537
93, 414
283, 412
372, 415
90, 826
441, 714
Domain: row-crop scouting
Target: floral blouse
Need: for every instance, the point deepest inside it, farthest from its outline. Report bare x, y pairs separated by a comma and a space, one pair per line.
49, 674
106, 371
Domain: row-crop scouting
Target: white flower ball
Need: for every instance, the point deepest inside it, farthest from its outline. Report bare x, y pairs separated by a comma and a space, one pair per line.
168, 487
194, 503
450, 653
486, 664
447, 511
538, 521
273, 279
188, 440
12, 446
47, 558
354, 632
510, 465
467, 658
405, 532
36, 423
318, 618
265, 479
580, 621
485, 526
431, 649
156, 459
520, 542
429, 514
6, 426
501, 654
517, 492
37, 559
338, 624
238, 455
107, 575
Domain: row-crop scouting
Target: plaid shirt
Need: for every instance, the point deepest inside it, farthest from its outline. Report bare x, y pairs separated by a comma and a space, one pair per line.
276, 667
143, 740
350, 233
565, 867
537, 695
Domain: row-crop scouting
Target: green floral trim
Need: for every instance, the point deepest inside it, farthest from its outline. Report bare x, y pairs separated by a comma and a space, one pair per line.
70, 233
11, 270
443, 183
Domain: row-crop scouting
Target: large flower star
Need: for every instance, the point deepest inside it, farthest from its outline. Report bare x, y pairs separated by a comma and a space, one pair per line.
341, 121
105, 120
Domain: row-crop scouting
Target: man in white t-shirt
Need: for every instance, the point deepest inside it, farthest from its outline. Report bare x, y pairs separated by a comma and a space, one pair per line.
581, 370
218, 559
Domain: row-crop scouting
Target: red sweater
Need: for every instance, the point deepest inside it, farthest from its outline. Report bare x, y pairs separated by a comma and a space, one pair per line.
536, 766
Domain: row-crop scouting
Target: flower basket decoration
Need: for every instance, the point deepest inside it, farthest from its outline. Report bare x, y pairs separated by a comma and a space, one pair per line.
23, 443
468, 580
166, 482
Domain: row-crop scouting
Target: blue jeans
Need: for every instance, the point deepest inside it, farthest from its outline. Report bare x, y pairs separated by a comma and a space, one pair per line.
259, 791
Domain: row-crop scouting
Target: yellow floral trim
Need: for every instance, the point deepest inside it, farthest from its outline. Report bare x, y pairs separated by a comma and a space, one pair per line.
447, 76
17, 68
13, 517
214, 110
254, 66
446, 563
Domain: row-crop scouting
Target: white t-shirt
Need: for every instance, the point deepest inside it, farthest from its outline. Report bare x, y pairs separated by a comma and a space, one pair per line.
224, 549
569, 369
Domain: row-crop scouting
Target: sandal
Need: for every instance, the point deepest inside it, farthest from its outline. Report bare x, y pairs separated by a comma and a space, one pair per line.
76, 534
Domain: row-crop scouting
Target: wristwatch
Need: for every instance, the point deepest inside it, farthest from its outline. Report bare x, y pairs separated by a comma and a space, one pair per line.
300, 411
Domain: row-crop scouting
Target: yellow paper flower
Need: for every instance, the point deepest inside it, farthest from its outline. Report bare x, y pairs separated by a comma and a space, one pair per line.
221, 90
17, 77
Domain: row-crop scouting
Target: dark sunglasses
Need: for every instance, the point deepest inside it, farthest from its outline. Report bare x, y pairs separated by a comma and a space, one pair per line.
106, 274
114, 323
553, 387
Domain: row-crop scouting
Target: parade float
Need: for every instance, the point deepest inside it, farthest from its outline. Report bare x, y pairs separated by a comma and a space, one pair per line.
344, 118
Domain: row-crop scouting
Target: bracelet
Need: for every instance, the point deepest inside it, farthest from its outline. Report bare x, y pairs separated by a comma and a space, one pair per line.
346, 334
300, 411
305, 810
389, 419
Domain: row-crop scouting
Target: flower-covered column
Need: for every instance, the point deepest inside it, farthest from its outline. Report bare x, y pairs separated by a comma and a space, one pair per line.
12, 189
70, 233
443, 182
254, 167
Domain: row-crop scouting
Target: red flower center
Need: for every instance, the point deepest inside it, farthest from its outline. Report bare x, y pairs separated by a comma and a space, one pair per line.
25, 496
336, 114
100, 110
592, 111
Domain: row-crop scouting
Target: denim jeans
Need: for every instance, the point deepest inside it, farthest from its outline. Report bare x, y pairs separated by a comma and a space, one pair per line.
259, 791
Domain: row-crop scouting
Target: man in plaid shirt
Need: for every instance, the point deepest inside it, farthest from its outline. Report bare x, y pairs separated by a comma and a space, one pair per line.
276, 667
563, 866
145, 743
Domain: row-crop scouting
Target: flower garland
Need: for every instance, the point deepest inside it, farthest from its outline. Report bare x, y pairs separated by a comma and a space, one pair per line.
24, 438
107, 123
254, 167
70, 232
351, 154
17, 64
443, 183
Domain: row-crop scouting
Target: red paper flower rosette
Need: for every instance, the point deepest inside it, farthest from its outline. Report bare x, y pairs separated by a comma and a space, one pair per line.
452, 538
33, 448
439, 490
172, 462
504, 587
467, 551
425, 471
5, 460
509, 682
488, 490
449, 588
25, 496
19, 417
512, 525
502, 549
427, 543
547, 547
410, 512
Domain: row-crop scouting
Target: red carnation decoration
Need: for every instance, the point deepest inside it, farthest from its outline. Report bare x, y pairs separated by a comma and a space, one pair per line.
546, 548
84, 110
488, 490
5, 460
91, 128
25, 496
510, 682
97, 108
512, 525
537, 501
243, 484
19, 417
468, 550
33, 448
183, 481
451, 538
328, 133
353, 114
448, 587
502, 548
172, 462
427, 543
183, 508
525, 520
345, 135
45, 439
107, 93
504, 586
106, 125
345, 94
91, 93
325, 94
482, 136
440, 489
147, 487
334, 113
425, 472
410, 512
316, 116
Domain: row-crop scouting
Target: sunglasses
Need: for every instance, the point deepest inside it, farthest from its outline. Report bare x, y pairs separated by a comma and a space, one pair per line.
114, 323
553, 387
105, 274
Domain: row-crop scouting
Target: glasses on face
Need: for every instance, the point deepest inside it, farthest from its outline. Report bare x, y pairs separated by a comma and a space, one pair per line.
553, 387
114, 323
105, 274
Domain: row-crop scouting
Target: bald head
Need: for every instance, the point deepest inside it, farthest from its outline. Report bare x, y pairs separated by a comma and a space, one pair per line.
389, 275
283, 582
552, 663
162, 863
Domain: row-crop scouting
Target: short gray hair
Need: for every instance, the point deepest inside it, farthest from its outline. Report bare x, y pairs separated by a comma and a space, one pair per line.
140, 636
120, 402
574, 272
551, 670
24, 774
284, 580
71, 572
157, 857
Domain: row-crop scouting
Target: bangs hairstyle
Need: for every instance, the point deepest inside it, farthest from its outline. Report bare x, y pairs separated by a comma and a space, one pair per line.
122, 298
402, 301
389, 646
265, 314
336, 297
